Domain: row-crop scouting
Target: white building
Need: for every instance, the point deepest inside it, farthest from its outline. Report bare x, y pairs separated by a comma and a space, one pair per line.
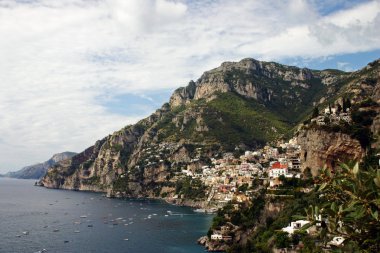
216, 237
277, 172
333, 110
295, 225
336, 241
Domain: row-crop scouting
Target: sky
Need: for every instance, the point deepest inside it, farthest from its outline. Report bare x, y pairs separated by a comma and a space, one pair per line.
74, 71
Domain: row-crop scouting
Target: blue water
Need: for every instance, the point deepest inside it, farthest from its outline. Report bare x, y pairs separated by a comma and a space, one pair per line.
40, 211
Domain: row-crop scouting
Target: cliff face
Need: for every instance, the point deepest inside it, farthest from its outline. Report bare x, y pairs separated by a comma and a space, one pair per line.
285, 89
239, 104
97, 167
320, 148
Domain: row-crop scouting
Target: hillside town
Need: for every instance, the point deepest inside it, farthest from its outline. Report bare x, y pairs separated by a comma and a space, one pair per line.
230, 178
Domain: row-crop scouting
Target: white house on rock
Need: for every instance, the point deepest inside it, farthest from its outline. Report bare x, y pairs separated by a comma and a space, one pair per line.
295, 225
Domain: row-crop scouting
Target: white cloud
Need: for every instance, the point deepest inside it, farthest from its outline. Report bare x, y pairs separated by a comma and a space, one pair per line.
60, 59
344, 66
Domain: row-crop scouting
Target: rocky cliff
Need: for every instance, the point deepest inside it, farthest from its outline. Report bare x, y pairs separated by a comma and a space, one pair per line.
284, 89
320, 148
238, 105
330, 145
39, 170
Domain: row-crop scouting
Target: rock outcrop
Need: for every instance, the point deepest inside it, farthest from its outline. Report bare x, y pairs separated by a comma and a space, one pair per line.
259, 81
321, 148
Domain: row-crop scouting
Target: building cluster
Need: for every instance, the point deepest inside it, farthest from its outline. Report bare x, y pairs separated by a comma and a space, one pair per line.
223, 233
230, 178
332, 116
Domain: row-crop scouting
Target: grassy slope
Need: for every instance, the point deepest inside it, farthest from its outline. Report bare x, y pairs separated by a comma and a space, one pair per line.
231, 120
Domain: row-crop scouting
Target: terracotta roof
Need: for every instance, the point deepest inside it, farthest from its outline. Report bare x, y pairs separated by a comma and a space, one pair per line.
278, 165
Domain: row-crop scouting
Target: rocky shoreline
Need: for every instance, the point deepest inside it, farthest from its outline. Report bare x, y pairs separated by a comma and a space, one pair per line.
212, 246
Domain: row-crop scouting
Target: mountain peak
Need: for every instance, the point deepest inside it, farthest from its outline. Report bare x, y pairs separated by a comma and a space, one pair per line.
249, 78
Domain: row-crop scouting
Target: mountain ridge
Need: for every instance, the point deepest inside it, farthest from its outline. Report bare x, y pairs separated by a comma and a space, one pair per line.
38, 170
233, 107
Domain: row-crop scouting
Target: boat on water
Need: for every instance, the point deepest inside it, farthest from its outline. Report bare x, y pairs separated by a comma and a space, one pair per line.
41, 251
83, 216
202, 210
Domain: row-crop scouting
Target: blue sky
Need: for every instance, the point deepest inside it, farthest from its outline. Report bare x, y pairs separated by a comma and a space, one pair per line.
75, 71
137, 104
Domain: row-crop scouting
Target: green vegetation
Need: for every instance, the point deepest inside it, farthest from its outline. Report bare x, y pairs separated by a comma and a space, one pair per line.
244, 217
231, 120
362, 115
351, 203
190, 188
95, 180
349, 199
238, 120
121, 184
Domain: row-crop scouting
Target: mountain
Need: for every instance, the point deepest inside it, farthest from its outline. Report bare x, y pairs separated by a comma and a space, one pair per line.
39, 170
340, 143
237, 106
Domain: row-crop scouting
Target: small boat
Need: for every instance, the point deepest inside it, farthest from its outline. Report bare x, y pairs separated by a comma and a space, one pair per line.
90, 226
126, 239
26, 232
76, 231
66, 241
56, 230
41, 251
83, 216
18, 235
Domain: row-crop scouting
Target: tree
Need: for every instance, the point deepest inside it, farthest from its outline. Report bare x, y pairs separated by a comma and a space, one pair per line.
351, 204
346, 104
338, 108
282, 240
315, 112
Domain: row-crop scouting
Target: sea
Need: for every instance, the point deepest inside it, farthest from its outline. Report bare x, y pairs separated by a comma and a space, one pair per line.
36, 219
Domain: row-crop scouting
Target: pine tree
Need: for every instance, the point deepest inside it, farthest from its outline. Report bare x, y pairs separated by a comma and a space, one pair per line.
338, 108
315, 112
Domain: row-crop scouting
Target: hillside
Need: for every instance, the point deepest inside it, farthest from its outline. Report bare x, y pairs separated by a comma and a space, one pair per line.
237, 106
39, 170
343, 142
